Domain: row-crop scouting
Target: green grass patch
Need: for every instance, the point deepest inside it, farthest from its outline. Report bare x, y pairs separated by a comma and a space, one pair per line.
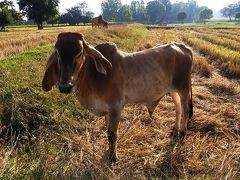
29, 118
128, 37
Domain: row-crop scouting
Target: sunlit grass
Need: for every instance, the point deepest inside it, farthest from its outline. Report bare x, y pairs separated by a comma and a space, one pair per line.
235, 32
228, 60
225, 42
219, 34
15, 42
231, 26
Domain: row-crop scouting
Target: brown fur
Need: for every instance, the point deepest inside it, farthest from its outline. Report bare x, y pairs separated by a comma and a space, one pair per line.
140, 77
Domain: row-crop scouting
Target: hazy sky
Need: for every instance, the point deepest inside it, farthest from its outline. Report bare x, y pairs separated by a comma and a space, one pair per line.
95, 5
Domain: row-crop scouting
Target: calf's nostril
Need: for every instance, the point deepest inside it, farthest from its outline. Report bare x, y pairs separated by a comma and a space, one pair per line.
65, 88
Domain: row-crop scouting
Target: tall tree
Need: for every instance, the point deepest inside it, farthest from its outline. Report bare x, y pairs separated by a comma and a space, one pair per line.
88, 17
110, 9
39, 10
125, 13
83, 8
192, 7
134, 8
8, 15
6, 4
206, 14
176, 8
54, 20
181, 16
77, 14
17, 17
168, 5
237, 16
231, 10
5, 18
227, 12
156, 11
199, 10
138, 10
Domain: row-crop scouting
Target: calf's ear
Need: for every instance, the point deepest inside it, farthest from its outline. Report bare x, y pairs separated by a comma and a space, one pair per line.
51, 75
103, 66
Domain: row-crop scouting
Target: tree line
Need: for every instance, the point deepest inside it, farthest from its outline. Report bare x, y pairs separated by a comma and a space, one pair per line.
154, 12
42, 11
231, 11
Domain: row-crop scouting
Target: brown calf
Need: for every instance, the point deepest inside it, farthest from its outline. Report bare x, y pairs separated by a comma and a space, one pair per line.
104, 79
99, 21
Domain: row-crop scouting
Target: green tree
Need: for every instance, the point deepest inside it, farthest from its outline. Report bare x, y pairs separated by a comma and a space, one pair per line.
5, 18
168, 5
176, 8
138, 10
231, 10
125, 13
17, 17
237, 16
199, 9
77, 14
190, 8
181, 16
110, 9
156, 11
206, 14
88, 17
8, 15
39, 10
54, 20
6, 4
72, 16
227, 12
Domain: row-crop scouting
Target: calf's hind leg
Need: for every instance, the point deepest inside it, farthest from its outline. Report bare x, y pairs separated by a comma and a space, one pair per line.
181, 101
185, 99
177, 101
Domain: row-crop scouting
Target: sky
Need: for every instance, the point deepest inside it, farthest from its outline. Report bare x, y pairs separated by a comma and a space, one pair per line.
95, 5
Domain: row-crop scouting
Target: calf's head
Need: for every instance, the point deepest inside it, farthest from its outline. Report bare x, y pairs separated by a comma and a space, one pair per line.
68, 59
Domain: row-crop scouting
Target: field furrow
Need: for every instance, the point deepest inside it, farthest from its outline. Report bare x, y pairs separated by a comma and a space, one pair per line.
219, 34
227, 60
224, 42
235, 32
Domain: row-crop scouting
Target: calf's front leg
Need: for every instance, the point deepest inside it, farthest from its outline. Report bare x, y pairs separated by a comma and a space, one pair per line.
113, 120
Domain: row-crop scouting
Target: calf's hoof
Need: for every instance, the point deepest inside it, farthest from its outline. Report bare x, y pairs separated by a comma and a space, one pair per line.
181, 136
113, 159
178, 135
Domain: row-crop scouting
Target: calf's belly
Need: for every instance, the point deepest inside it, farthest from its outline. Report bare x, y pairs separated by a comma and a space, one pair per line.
145, 95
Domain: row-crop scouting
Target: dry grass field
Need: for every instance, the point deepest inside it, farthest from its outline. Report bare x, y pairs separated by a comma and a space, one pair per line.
49, 136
